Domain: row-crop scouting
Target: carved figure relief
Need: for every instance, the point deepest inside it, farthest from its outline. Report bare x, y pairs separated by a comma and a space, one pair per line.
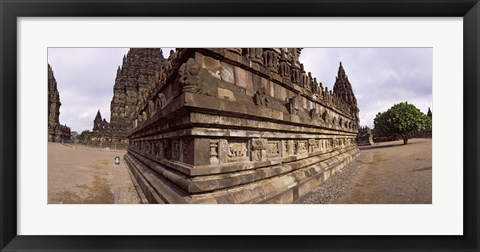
292, 105
313, 113
302, 147
161, 101
325, 116
313, 146
259, 147
254, 54
284, 68
189, 74
296, 75
151, 108
261, 98
273, 149
270, 58
237, 151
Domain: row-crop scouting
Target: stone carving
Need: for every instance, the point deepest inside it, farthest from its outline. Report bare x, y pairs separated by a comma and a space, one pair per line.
151, 108
313, 146
270, 58
314, 113
161, 101
302, 147
292, 105
262, 98
284, 67
254, 54
189, 74
259, 144
237, 151
273, 149
259, 147
214, 152
296, 73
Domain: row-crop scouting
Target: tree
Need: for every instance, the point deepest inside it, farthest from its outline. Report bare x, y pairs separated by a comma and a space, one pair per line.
74, 135
83, 135
402, 120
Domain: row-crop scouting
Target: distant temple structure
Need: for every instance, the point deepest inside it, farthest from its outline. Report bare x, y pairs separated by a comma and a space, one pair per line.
56, 131
235, 125
140, 69
365, 136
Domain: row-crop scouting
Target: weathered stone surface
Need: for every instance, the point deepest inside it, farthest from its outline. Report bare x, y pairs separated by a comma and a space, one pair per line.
234, 129
56, 131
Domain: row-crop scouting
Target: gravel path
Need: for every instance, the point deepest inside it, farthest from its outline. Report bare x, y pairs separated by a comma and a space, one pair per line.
385, 173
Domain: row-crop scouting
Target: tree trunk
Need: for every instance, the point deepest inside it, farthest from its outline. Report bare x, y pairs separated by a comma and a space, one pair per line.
405, 139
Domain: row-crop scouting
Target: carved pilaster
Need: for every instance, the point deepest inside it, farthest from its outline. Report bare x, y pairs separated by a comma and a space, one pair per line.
214, 152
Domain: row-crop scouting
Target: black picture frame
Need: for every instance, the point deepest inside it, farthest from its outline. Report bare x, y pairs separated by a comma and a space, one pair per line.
10, 10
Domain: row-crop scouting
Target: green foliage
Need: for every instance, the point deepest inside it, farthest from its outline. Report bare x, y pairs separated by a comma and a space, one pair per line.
74, 135
403, 120
83, 134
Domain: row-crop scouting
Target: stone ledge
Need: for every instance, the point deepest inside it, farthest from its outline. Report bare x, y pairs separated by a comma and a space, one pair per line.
211, 182
269, 190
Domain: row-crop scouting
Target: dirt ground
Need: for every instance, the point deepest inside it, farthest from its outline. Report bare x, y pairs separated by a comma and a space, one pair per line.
385, 173
83, 175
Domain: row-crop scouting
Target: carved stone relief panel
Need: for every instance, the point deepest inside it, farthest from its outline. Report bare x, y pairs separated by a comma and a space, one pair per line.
302, 146
313, 146
329, 144
237, 151
273, 149
259, 149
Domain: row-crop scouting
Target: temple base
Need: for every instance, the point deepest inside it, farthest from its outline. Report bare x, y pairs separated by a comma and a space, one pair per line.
293, 182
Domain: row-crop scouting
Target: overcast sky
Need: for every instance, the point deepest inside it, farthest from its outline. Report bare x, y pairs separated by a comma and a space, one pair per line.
380, 78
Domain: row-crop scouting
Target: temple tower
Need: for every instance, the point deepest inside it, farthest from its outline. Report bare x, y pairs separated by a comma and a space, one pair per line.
139, 70
342, 89
56, 131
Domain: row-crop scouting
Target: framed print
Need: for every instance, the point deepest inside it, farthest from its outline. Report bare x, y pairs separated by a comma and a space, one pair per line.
236, 157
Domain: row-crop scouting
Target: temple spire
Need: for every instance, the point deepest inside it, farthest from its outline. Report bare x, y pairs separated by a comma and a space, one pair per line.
342, 87
98, 117
341, 71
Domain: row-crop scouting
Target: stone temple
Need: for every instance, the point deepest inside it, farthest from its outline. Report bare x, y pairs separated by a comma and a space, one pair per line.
140, 69
238, 125
56, 131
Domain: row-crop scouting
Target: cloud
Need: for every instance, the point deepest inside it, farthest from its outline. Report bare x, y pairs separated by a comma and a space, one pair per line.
380, 77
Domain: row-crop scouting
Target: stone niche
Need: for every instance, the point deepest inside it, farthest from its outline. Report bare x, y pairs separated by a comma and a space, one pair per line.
240, 125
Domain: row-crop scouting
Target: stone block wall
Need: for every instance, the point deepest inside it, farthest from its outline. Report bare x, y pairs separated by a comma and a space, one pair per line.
239, 126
